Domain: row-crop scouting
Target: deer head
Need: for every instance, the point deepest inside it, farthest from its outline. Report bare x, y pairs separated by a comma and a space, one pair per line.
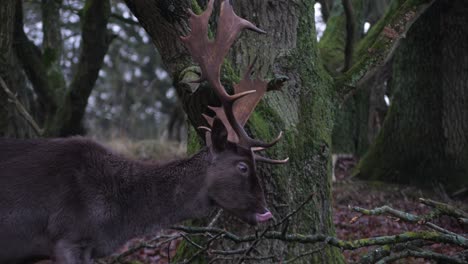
232, 180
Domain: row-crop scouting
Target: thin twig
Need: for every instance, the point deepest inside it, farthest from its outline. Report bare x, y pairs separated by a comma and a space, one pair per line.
191, 241
258, 258
204, 249
215, 219
254, 244
308, 253
291, 214
21, 109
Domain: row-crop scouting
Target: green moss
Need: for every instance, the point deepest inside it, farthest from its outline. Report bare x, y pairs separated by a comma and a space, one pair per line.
196, 7
85, 8
229, 74
49, 57
194, 143
185, 250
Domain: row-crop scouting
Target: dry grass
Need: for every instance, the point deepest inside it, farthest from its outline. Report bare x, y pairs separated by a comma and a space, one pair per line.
148, 149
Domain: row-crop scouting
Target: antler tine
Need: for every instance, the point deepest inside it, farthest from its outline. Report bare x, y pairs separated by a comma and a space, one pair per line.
259, 158
204, 128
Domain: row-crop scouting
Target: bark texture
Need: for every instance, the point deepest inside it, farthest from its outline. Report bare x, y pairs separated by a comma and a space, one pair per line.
11, 123
424, 139
303, 109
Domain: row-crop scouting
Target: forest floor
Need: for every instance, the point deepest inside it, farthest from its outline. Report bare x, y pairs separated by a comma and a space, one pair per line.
351, 225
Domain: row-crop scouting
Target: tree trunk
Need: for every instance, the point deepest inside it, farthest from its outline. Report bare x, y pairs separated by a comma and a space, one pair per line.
11, 123
61, 108
357, 118
424, 139
303, 109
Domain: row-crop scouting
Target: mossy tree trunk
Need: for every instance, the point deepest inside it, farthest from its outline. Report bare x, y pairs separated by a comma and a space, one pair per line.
303, 109
424, 139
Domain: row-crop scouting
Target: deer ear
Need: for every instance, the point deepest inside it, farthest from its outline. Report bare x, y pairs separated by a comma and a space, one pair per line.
218, 135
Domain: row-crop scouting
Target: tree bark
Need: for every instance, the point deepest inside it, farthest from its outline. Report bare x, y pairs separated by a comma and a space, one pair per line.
424, 139
11, 124
303, 109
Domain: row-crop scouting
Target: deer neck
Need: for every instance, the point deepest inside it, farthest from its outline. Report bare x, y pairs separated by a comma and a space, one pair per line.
167, 194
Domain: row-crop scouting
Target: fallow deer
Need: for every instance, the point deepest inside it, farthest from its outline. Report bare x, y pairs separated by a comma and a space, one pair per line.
73, 200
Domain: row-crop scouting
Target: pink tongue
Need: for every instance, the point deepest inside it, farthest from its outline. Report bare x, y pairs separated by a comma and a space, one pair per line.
263, 217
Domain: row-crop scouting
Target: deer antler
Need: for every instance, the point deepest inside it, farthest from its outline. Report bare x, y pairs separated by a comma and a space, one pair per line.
209, 54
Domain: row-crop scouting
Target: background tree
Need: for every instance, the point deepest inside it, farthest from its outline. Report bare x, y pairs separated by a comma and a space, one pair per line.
133, 95
424, 137
61, 106
359, 118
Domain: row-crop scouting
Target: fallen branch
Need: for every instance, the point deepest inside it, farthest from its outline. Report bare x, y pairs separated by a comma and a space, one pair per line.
445, 208
406, 217
421, 254
333, 241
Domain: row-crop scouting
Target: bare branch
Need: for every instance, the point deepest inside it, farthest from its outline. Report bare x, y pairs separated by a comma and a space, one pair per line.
445, 208
308, 253
21, 109
350, 33
333, 241
406, 217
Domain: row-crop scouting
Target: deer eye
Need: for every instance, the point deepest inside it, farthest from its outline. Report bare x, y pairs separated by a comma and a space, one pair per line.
242, 167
